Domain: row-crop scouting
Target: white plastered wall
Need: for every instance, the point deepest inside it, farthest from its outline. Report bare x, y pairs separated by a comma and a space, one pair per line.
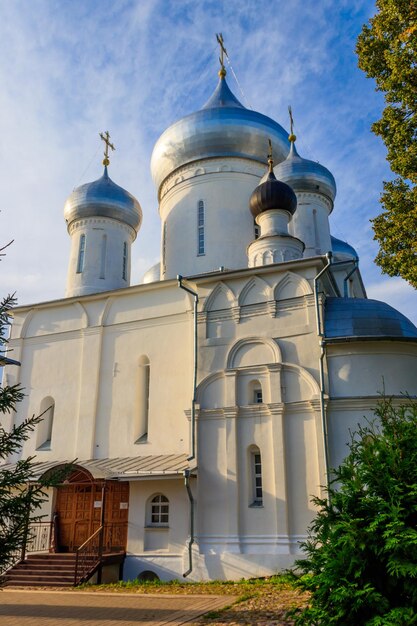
225, 186
103, 256
310, 222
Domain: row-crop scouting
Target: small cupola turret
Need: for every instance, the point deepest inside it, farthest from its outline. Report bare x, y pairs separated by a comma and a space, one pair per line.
103, 220
272, 204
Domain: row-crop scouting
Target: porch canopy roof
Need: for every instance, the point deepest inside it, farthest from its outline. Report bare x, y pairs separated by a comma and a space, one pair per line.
121, 468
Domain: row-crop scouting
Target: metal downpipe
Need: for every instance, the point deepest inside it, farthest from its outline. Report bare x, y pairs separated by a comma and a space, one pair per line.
321, 366
192, 456
345, 285
193, 401
191, 541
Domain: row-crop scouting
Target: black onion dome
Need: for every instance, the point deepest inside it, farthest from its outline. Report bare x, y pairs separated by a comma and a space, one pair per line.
272, 194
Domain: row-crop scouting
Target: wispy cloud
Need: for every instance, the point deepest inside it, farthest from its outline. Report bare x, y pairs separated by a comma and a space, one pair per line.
69, 70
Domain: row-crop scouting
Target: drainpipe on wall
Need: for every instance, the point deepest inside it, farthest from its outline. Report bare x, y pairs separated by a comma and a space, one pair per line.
192, 456
320, 334
191, 541
353, 270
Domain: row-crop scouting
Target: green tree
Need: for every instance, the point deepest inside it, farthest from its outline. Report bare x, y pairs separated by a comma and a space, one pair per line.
387, 52
19, 498
361, 552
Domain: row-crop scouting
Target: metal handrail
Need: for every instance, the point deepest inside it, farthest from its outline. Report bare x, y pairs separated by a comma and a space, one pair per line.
87, 559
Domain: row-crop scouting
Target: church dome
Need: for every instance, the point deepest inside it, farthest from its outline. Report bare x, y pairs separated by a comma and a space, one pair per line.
305, 175
272, 194
222, 128
360, 317
343, 249
103, 198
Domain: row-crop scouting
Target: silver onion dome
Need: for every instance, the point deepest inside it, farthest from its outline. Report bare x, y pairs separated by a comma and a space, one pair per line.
103, 198
305, 175
222, 128
152, 275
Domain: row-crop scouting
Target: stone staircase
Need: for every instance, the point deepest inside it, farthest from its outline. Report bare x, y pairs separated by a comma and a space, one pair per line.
42, 570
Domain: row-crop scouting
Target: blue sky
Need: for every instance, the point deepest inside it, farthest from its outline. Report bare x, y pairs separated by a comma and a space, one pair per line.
69, 70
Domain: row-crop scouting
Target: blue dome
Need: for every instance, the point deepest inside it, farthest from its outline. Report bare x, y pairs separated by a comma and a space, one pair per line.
360, 317
342, 248
103, 198
222, 128
305, 175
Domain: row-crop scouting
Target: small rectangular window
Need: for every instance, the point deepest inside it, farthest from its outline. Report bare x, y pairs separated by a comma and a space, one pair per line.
257, 396
201, 242
257, 230
257, 479
81, 254
124, 271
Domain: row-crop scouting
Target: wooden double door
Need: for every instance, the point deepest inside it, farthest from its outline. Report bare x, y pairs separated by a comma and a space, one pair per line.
79, 514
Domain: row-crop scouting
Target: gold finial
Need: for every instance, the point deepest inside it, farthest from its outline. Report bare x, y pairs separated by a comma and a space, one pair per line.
270, 159
291, 137
223, 51
106, 138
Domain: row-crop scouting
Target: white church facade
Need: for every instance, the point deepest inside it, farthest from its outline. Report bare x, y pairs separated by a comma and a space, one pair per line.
207, 404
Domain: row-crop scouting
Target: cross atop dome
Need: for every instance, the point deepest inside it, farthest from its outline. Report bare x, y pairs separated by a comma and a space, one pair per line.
291, 137
223, 51
106, 138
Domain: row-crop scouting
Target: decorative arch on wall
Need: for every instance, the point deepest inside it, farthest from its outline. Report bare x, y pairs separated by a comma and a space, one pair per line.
292, 286
38, 323
222, 297
255, 291
253, 351
106, 310
26, 323
44, 428
299, 383
211, 387
83, 313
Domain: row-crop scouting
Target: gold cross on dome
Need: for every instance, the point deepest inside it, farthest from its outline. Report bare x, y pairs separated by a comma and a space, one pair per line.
223, 52
292, 137
106, 138
270, 158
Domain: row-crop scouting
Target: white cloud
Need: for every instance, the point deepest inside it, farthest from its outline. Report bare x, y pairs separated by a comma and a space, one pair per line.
69, 70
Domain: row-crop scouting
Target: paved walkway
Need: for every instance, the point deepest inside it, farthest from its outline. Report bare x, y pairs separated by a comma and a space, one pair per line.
68, 608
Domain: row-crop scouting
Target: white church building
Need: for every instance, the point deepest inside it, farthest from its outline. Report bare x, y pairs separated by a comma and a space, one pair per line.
205, 406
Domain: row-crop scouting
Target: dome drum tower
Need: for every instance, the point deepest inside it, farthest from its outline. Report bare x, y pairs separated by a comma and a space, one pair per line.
102, 220
315, 189
273, 204
205, 167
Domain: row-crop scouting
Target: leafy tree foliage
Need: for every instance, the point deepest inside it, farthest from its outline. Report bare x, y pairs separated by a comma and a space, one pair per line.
18, 498
387, 51
361, 565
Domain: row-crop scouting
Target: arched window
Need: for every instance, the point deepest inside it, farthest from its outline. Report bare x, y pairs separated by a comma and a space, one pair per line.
255, 462
142, 413
81, 255
44, 428
200, 222
124, 268
103, 257
256, 229
158, 511
255, 392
